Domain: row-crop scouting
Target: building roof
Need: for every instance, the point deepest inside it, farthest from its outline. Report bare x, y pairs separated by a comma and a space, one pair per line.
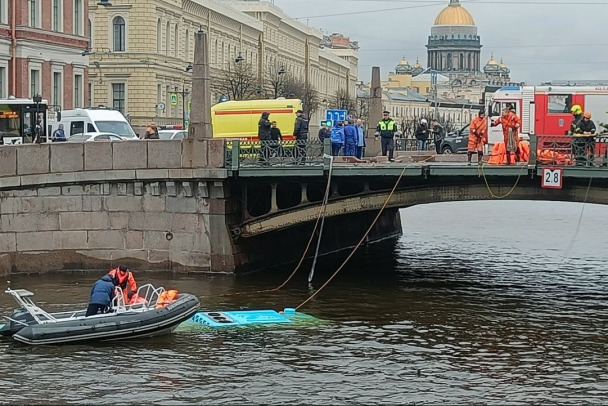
405, 94
426, 77
454, 14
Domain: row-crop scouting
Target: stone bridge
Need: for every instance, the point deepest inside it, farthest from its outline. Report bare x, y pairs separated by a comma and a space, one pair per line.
180, 205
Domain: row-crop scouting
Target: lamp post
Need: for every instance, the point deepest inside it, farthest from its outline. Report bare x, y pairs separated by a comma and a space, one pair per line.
38, 128
185, 93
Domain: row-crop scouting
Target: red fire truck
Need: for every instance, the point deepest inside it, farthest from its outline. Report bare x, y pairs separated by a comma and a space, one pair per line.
545, 110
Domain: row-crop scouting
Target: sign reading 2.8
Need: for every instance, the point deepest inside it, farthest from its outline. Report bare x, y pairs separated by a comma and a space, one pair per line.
552, 178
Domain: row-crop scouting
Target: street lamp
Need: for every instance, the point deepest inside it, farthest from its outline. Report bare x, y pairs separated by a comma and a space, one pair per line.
184, 94
282, 71
189, 67
38, 128
239, 58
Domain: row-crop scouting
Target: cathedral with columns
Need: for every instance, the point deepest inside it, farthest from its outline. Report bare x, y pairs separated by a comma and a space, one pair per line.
453, 58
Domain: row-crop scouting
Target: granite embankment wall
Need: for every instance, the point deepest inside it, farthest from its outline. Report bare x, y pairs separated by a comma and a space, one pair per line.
151, 204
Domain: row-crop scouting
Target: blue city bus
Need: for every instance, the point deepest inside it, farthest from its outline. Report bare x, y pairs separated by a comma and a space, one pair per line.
23, 121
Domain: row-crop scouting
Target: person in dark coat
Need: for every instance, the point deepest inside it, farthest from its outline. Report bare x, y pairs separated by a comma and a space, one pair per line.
264, 134
102, 295
300, 132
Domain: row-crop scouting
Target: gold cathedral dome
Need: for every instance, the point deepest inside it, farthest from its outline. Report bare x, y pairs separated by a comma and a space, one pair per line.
454, 14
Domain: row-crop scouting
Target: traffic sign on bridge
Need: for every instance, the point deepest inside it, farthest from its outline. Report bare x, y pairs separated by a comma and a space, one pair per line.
336, 115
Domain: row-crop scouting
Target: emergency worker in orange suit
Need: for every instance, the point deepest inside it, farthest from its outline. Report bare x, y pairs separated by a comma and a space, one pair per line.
478, 136
510, 128
124, 278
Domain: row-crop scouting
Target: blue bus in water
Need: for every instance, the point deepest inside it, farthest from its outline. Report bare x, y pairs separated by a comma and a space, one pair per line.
23, 121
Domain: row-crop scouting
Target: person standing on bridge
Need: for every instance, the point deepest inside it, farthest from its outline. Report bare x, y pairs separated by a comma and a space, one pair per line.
300, 132
264, 134
438, 134
577, 116
386, 130
478, 132
360, 151
351, 137
585, 131
510, 127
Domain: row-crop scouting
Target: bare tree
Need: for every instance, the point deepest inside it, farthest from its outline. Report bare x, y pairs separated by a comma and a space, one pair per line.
345, 102
299, 89
276, 78
239, 82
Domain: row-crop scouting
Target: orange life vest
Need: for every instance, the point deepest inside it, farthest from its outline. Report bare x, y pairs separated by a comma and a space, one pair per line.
166, 297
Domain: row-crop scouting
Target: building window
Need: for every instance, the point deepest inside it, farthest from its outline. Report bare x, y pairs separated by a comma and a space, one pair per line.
176, 48
78, 91
35, 13
187, 46
57, 15
78, 17
90, 32
57, 89
118, 97
118, 27
34, 82
3, 11
3, 90
90, 95
159, 36
168, 38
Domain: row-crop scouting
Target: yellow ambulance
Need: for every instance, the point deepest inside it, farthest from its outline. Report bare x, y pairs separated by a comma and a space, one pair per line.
239, 119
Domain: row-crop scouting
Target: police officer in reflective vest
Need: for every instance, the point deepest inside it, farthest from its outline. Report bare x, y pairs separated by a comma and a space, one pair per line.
123, 277
386, 130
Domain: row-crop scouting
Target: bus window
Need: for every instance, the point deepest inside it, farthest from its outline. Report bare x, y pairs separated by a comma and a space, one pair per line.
76, 127
28, 127
559, 103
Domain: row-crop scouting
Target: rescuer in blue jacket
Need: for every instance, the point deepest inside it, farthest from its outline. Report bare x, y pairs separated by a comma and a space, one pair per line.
102, 294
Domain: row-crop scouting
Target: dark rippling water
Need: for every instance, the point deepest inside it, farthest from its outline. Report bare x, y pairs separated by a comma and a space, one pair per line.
478, 302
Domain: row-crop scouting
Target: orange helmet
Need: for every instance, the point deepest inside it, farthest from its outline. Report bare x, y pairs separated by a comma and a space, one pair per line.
587, 114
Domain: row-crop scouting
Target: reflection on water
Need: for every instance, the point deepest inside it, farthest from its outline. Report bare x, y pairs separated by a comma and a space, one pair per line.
492, 302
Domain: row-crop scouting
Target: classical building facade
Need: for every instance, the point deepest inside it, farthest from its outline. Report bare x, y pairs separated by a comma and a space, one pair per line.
41, 50
141, 51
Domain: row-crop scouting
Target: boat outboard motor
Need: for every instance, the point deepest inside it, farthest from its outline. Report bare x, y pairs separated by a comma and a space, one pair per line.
13, 326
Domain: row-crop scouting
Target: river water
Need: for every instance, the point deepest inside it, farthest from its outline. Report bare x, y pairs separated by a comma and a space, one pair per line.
463, 308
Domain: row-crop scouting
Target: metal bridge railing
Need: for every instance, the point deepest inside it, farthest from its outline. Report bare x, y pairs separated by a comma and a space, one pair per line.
566, 150
411, 144
242, 154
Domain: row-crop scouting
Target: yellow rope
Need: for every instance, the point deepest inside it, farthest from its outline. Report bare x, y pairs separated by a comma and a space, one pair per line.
482, 173
312, 236
358, 244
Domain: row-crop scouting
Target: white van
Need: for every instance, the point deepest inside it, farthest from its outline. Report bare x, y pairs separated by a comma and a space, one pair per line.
96, 119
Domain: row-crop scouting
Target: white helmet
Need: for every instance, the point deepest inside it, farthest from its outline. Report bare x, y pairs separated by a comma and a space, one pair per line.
423, 121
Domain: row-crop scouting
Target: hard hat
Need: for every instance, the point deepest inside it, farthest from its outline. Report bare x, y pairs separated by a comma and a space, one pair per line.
587, 114
423, 121
576, 109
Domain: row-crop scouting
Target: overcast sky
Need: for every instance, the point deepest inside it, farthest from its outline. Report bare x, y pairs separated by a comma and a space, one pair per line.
540, 40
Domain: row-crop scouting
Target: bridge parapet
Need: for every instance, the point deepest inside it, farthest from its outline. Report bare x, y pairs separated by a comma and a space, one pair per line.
71, 158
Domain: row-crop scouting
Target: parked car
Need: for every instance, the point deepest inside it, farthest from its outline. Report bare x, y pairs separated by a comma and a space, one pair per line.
172, 134
455, 142
95, 136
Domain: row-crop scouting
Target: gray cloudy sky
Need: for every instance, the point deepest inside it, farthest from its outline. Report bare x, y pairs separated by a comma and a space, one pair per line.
540, 40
